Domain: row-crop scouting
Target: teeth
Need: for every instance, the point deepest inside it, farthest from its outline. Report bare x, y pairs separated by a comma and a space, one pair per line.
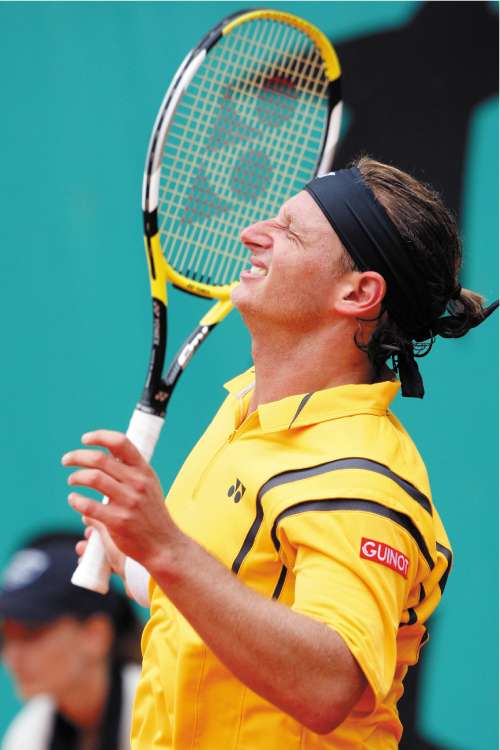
257, 271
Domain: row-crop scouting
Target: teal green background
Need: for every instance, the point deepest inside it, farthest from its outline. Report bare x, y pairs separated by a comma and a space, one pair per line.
81, 84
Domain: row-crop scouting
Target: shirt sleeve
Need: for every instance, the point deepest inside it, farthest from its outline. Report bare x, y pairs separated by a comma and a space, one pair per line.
353, 571
137, 581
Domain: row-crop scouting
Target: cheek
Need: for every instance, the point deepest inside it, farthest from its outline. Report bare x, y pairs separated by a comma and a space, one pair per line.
49, 664
68, 658
31, 666
301, 278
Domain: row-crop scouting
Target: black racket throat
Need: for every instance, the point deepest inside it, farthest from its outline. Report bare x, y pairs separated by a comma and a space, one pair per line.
158, 390
154, 396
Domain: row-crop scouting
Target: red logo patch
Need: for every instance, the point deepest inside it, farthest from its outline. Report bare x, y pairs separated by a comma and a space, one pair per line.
385, 555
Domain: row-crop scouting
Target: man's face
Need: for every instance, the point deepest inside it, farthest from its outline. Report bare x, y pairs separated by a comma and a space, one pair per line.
45, 658
294, 264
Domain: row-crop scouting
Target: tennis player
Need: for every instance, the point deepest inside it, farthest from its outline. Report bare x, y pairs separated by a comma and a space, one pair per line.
299, 554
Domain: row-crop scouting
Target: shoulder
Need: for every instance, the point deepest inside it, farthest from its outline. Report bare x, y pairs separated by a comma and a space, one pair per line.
350, 457
31, 727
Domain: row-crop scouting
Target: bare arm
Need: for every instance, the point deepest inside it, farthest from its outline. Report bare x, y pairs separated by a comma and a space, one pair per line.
298, 664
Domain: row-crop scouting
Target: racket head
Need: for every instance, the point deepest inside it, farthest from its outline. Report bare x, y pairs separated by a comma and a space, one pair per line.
252, 114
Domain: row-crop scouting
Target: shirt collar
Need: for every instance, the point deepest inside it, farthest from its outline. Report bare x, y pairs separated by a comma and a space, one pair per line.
242, 382
319, 406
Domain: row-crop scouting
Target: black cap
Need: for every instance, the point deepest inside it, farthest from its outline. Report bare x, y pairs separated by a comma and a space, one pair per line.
37, 588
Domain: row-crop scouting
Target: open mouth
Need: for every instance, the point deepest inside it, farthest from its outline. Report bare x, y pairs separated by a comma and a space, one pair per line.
258, 270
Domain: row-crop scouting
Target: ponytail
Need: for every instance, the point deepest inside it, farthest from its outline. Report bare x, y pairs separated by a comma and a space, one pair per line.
466, 310
431, 235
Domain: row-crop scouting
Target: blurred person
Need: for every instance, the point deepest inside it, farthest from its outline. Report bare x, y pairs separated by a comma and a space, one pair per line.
72, 653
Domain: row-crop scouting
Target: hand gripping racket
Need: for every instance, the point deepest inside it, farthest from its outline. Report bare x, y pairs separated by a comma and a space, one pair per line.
252, 114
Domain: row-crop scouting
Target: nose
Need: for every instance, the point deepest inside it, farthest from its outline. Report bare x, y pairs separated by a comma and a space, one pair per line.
258, 235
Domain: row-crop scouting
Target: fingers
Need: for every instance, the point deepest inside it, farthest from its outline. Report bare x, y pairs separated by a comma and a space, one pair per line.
93, 509
115, 557
80, 547
95, 460
96, 480
97, 513
136, 509
117, 443
104, 472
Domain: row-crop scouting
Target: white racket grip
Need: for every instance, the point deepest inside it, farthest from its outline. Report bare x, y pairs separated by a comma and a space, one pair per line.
144, 432
93, 571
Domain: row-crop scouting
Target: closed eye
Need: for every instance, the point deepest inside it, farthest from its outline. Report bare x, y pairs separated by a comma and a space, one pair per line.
286, 222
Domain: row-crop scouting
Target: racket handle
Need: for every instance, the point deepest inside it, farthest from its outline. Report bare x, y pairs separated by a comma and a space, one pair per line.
94, 571
144, 432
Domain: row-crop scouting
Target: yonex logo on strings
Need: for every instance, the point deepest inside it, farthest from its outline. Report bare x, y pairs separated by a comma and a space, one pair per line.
236, 491
236, 124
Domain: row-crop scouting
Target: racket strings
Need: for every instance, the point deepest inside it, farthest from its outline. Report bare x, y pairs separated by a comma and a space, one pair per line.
281, 187
199, 120
231, 73
267, 62
312, 137
231, 123
213, 149
187, 145
224, 267
212, 160
229, 255
293, 144
298, 72
223, 68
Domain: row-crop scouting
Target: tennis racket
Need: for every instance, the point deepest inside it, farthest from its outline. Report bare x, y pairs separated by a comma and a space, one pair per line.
252, 114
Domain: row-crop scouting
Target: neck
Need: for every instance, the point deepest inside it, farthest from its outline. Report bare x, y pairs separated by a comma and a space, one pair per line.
84, 703
287, 364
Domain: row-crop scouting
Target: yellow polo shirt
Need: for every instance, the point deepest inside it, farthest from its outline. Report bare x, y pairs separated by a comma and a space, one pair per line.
322, 501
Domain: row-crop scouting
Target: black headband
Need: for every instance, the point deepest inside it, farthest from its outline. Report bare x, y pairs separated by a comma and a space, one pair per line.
374, 243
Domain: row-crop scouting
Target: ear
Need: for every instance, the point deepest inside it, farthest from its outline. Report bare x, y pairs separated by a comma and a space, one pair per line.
360, 294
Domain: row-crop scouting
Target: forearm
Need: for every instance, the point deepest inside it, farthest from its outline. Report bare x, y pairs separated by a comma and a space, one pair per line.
298, 664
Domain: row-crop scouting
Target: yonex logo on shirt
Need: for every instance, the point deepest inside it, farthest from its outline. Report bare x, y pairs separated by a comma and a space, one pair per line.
385, 555
238, 490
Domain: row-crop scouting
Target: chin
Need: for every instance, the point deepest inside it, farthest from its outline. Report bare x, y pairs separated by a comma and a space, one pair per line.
27, 690
241, 298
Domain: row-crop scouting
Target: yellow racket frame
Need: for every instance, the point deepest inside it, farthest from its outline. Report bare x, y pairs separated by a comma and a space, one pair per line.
332, 65
163, 272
